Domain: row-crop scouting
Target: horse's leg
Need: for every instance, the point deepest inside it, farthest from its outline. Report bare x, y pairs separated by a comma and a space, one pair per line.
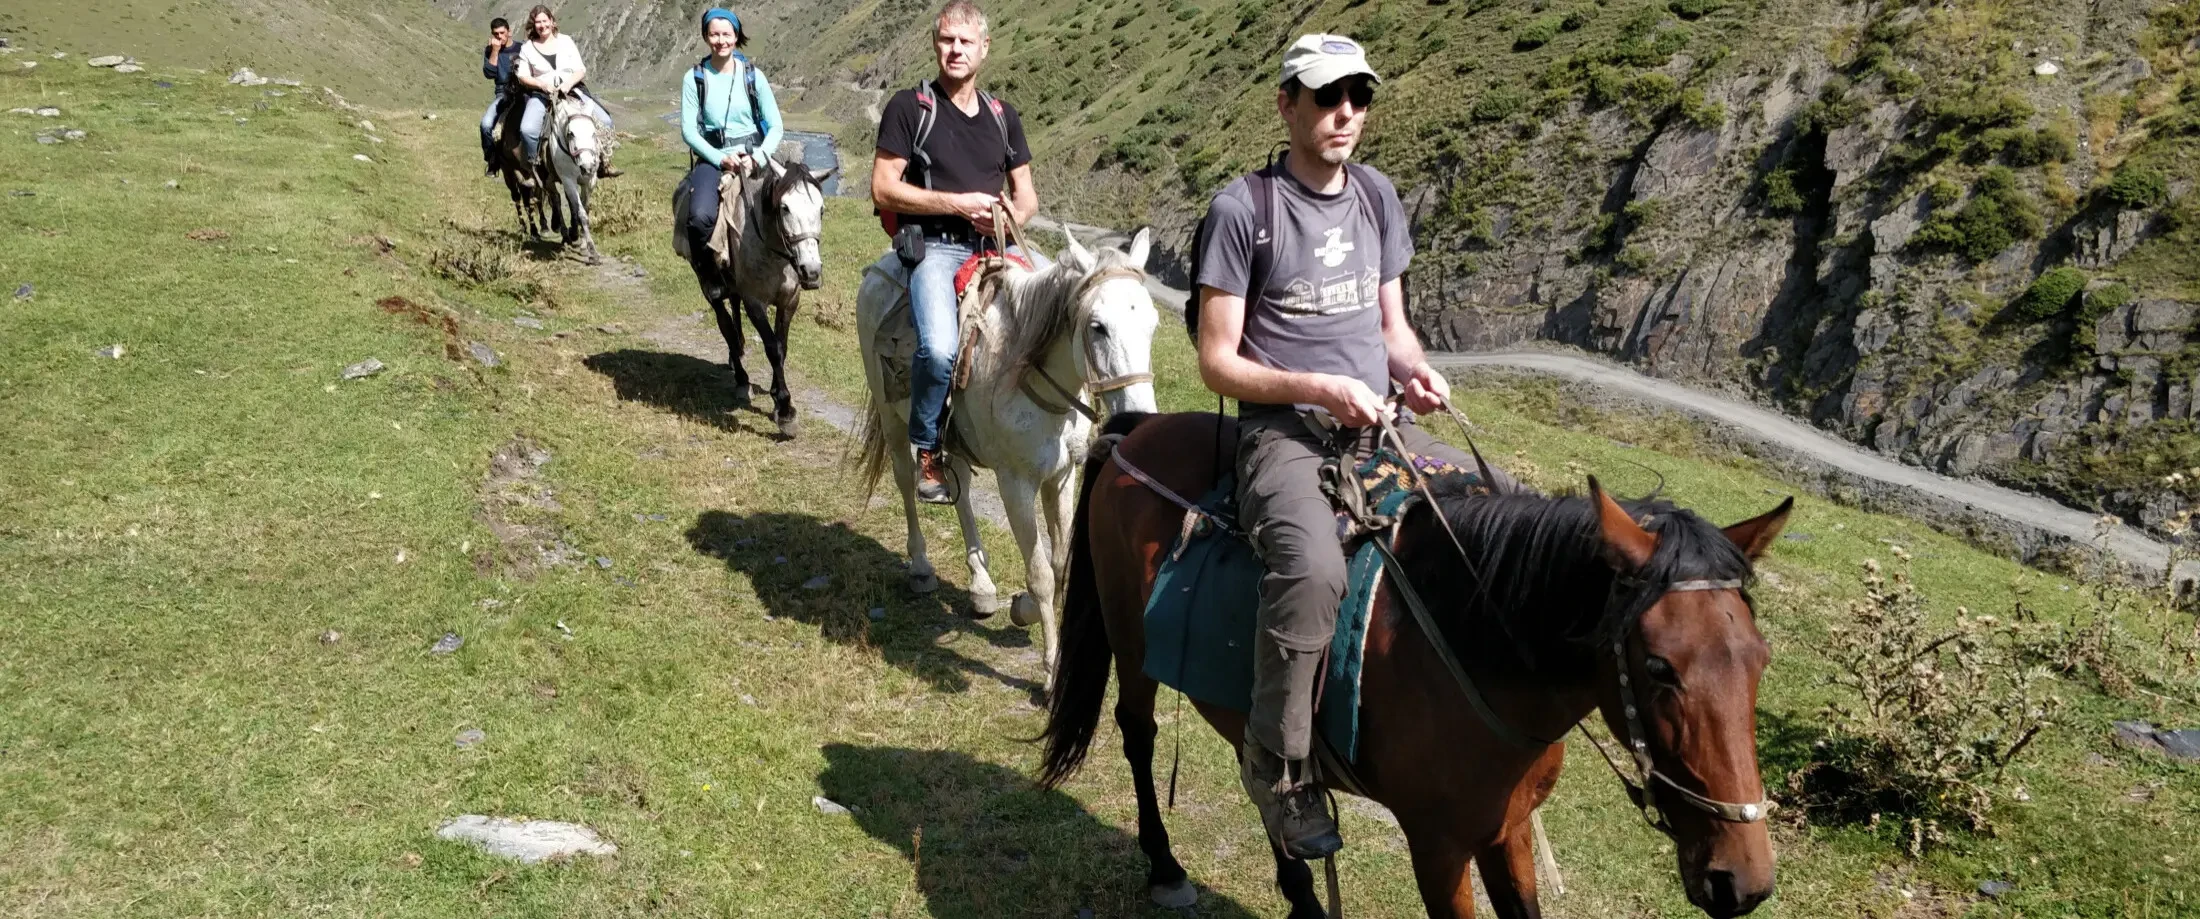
985, 599
1057, 503
1020, 498
729, 325
1508, 873
775, 351
894, 429
1440, 869
1165, 878
1295, 880
577, 190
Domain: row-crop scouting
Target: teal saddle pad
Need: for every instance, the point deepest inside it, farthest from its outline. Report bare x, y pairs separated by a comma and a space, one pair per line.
1201, 618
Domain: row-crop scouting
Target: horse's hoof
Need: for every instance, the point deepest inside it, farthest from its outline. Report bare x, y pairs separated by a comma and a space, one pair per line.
1180, 895
787, 429
1023, 610
983, 606
924, 583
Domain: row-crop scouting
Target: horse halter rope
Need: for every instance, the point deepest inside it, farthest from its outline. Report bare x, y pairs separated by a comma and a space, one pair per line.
784, 247
1641, 789
1070, 398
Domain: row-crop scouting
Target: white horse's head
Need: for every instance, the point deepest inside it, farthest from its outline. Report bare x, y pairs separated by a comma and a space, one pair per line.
796, 198
1117, 318
577, 130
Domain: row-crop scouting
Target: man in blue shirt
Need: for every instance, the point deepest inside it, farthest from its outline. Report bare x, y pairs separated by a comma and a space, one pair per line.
496, 64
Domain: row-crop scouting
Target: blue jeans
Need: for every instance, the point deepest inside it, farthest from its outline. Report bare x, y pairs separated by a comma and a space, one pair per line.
932, 311
702, 215
488, 125
538, 111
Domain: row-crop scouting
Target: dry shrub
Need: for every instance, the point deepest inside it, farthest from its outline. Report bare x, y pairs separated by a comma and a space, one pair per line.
830, 311
1930, 715
624, 207
471, 262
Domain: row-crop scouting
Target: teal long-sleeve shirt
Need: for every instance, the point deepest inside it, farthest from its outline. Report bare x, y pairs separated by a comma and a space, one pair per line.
726, 105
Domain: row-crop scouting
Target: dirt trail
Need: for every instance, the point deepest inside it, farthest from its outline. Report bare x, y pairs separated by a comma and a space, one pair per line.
2030, 525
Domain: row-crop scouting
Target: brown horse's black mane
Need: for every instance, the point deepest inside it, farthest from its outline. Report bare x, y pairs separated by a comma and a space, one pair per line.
1537, 573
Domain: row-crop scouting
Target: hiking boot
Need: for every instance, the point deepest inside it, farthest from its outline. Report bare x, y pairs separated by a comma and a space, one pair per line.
1295, 812
932, 478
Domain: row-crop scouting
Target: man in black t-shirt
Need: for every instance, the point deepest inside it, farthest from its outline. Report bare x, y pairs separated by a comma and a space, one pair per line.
973, 157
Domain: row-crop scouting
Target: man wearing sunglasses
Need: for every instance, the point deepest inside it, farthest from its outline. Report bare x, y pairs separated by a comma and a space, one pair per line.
1302, 320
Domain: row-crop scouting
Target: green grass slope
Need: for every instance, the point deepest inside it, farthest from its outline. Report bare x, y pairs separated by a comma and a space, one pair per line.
181, 526
405, 53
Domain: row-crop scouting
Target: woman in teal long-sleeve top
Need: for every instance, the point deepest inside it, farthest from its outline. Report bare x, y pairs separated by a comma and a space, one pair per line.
720, 127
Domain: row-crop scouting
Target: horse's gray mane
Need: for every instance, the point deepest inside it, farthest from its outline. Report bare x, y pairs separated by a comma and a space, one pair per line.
1042, 307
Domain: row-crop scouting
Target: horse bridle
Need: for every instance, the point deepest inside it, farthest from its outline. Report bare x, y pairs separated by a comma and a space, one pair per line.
1640, 788
785, 247
1070, 398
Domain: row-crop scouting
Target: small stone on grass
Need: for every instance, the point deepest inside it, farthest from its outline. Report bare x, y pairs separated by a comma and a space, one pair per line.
529, 842
111, 352
528, 322
828, 806
482, 354
878, 614
363, 369
357, 156
448, 643
25, 291
467, 738
110, 60
128, 68
819, 582
331, 637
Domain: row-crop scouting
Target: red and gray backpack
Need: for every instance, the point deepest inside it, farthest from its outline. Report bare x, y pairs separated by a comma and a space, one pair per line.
919, 171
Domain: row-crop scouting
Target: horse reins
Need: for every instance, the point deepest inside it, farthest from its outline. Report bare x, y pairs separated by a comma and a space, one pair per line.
1071, 399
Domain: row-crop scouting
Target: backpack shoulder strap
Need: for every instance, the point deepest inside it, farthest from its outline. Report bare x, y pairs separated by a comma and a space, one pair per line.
927, 112
1000, 120
1262, 184
1361, 178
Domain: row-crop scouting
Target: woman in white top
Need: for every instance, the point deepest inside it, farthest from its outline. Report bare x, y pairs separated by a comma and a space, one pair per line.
550, 63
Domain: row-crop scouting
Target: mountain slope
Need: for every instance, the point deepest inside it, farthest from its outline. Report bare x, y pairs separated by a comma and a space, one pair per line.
1825, 203
405, 53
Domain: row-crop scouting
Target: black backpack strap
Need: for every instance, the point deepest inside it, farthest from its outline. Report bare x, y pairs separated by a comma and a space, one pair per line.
927, 112
1000, 120
1262, 184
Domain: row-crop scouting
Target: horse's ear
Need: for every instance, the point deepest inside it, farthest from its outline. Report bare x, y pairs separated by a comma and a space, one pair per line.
1141, 244
1626, 544
1755, 535
1075, 256
818, 178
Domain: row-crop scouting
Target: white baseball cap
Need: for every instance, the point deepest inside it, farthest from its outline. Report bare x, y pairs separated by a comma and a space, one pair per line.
1320, 59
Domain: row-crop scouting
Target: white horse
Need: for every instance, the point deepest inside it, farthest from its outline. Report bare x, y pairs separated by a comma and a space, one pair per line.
1049, 340
575, 153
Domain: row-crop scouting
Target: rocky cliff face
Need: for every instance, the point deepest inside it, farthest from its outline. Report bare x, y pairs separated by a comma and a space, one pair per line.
1960, 232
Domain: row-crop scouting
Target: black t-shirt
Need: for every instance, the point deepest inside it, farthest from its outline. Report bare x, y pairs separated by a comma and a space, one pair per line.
967, 151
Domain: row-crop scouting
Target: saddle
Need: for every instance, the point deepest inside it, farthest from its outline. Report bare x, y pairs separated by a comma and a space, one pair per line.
895, 343
1202, 616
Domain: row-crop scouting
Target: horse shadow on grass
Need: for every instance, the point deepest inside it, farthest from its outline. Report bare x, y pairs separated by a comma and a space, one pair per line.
685, 385
832, 577
986, 841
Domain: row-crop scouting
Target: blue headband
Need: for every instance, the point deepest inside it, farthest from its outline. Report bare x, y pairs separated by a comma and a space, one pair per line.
724, 14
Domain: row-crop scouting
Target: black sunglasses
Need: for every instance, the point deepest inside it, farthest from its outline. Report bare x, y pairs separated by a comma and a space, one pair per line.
1363, 94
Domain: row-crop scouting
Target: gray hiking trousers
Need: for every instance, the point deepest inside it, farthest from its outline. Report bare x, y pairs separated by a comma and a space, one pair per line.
1294, 527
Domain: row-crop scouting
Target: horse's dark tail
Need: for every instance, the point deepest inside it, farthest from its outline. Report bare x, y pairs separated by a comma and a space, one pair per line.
1081, 675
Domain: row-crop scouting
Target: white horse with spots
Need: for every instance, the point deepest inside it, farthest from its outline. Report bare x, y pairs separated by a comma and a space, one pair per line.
1049, 340
575, 153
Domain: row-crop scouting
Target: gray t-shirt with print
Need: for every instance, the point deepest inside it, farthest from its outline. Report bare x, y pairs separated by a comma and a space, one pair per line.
1318, 313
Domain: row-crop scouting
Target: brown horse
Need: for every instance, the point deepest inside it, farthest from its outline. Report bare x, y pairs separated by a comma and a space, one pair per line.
1555, 594
531, 184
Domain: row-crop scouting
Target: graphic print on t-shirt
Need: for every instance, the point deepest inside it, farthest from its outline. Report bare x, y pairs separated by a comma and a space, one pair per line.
1333, 252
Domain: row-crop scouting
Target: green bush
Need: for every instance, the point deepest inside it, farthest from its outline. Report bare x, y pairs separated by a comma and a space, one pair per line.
1187, 13
2097, 304
2049, 296
1603, 86
1781, 195
1943, 193
1696, 111
1901, 81
1538, 32
1642, 24
2138, 187
1652, 90
1499, 103
1694, 9
1580, 16
1139, 149
1978, 108
2023, 147
1636, 259
1997, 217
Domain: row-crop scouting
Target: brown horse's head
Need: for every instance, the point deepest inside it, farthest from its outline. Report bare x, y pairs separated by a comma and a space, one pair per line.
1684, 654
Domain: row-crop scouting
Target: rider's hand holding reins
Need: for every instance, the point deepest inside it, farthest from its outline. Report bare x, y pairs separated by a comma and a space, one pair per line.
1350, 401
1426, 391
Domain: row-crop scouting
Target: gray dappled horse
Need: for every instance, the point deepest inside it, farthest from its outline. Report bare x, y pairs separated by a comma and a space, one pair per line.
574, 152
776, 259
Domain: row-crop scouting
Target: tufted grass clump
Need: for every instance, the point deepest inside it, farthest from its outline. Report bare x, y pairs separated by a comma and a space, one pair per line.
2050, 295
